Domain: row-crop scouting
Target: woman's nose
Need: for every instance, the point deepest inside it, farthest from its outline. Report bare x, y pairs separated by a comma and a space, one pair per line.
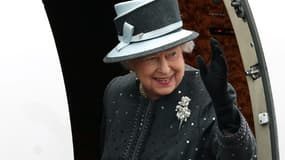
163, 65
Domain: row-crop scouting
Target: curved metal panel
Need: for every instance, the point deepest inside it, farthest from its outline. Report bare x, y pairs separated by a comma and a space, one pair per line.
34, 115
251, 47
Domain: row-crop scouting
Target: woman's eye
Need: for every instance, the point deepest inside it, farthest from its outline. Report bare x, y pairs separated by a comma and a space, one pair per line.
171, 54
151, 58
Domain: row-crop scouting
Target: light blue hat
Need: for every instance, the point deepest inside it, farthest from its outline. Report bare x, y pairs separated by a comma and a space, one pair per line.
145, 27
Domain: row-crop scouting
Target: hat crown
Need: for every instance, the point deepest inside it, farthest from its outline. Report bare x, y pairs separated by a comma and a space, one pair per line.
123, 8
146, 15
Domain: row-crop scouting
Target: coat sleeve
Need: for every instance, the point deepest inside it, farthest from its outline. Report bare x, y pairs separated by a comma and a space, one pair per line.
103, 128
237, 146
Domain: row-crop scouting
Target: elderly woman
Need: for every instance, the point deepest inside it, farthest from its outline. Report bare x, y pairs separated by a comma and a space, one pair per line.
165, 109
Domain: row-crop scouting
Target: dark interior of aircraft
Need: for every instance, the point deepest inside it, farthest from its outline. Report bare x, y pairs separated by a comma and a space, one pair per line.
84, 32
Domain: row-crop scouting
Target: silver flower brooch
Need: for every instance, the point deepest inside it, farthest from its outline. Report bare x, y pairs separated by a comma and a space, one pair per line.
182, 110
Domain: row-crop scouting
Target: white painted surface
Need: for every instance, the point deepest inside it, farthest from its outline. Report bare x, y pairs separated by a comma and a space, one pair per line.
269, 18
34, 115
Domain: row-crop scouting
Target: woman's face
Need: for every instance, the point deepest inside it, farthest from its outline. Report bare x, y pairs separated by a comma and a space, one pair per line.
159, 73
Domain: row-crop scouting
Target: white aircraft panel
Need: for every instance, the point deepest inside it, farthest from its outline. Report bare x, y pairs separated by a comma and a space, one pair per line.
269, 18
34, 115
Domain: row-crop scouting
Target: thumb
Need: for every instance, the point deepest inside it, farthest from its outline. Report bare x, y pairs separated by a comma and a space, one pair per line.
202, 66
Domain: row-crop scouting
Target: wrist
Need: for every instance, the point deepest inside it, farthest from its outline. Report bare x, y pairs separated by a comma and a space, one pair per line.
228, 118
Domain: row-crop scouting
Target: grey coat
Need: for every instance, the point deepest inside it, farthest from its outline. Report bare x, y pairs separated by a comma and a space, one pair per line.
138, 128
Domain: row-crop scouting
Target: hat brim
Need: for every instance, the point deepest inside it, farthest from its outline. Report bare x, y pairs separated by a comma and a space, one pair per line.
148, 47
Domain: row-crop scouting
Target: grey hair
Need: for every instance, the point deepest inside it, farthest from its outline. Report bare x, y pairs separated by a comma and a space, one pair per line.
188, 47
